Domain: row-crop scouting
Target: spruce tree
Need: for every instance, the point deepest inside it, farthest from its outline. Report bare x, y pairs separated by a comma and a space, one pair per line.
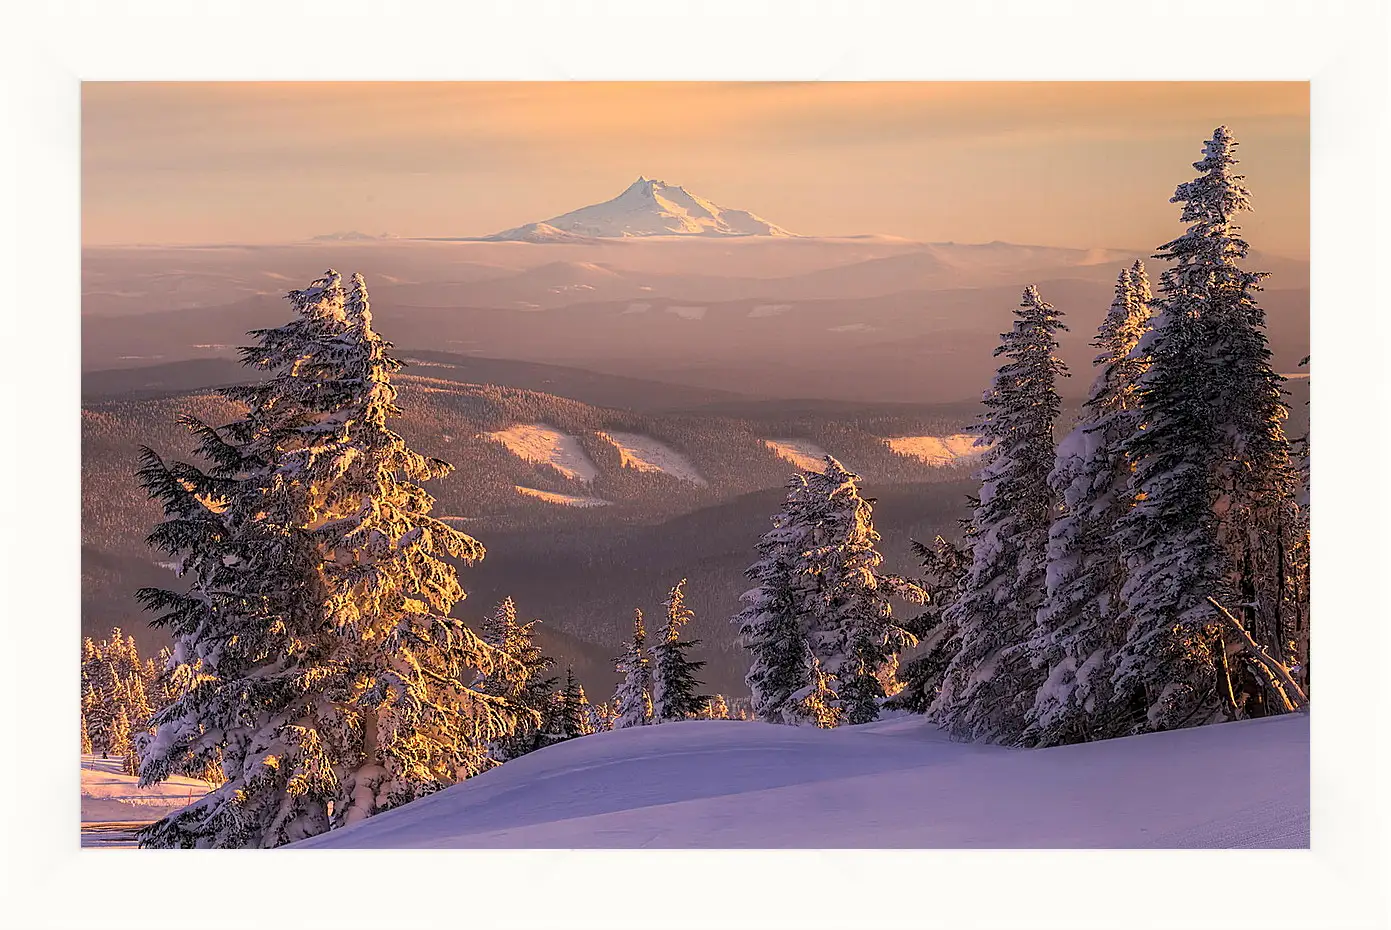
601, 716
1079, 626
98, 694
633, 699
405, 722
718, 708
118, 741
944, 572
990, 683
521, 681
771, 624
322, 663
250, 635
818, 704
820, 593
1216, 515
851, 626
573, 708
674, 682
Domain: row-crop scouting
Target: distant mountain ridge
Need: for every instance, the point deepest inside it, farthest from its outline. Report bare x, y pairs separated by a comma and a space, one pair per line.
647, 208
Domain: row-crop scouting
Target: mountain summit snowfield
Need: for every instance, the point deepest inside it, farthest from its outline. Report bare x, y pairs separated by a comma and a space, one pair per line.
898, 782
646, 208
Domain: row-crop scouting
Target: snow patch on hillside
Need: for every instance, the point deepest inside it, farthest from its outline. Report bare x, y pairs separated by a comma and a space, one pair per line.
647, 454
897, 783
109, 795
566, 500
763, 310
937, 450
686, 312
535, 442
807, 456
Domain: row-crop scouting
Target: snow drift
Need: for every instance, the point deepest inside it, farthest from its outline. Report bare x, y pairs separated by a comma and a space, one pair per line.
108, 794
895, 783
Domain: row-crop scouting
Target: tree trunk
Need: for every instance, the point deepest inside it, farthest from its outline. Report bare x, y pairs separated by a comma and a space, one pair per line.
1278, 677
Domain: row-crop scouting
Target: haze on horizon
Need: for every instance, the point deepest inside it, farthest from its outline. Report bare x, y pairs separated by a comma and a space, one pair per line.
1068, 164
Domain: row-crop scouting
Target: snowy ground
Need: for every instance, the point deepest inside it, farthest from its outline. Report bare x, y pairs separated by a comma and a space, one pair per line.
108, 794
537, 443
895, 783
647, 454
937, 450
807, 456
565, 500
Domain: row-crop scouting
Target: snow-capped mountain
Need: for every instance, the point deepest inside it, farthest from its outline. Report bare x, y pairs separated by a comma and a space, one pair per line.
646, 208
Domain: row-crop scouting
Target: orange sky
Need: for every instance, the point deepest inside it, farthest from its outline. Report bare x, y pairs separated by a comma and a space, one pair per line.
1082, 164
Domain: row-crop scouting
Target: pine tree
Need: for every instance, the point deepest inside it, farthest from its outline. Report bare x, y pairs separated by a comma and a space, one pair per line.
1216, 515
944, 568
818, 704
602, 716
718, 709
771, 627
322, 662
674, 685
522, 682
118, 742
406, 722
86, 739
249, 630
821, 592
852, 630
1079, 626
633, 700
97, 697
573, 720
991, 683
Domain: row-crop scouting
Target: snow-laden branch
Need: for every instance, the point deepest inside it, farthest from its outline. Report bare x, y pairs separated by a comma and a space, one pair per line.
1280, 677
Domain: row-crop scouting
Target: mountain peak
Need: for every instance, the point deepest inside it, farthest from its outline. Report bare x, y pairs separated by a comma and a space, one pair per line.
647, 207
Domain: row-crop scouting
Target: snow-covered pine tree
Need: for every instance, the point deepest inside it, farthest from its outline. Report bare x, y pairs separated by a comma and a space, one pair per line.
305, 541
591, 720
522, 682
250, 636
405, 720
86, 739
674, 682
718, 709
573, 721
1216, 513
818, 704
118, 742
771, 624
851, 628
601, 716
1079, 626
633, 699
97, 696
991, 683
944, 572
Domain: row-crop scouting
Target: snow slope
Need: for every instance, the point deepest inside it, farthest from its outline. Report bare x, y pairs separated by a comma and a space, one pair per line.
109, 795
895, 783
647, 454
807, 456
646, 208
565, 500
937, 450
535, 442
